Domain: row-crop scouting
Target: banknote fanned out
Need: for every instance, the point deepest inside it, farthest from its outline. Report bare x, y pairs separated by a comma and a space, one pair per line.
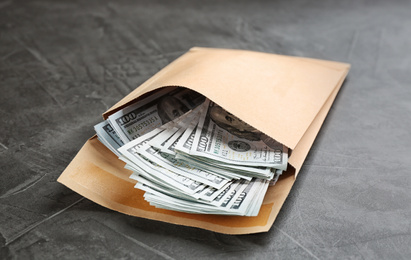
152, 112
222, 137
191, 155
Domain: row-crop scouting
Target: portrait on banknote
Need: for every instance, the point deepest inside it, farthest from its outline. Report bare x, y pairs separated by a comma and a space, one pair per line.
239, 128
169, 108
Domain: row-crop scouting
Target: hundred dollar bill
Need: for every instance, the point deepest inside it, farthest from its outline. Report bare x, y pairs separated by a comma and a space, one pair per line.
169, 162
163, 185
220, 136
149, 186
254, 208
142, 147
185, 143
202, 164
165, 178
184, 146
155, 171
232, 195
210, 193
153, 111
169, 145
204, 196
235, 171
162, 200
239, 199
165, 140
248, 202
108, 136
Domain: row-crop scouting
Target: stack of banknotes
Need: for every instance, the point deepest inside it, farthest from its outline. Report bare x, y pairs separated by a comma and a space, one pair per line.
189, 154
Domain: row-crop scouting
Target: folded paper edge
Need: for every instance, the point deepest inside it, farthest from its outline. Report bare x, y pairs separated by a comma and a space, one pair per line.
303, 147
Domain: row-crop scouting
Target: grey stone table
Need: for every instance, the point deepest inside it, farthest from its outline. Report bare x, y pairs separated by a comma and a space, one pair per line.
63, 63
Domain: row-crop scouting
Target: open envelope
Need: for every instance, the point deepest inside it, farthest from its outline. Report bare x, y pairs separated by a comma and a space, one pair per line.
284, 97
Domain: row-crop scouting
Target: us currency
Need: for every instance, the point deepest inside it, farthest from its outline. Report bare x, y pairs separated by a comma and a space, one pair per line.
210, 193
182, 168
222, 196
163, 186
184, 146
230, 195
162, 200
260, 200
249, 201
154, 111
147, 185
185, 143
163, 179
236, 171
222, 137
239, 199
144, 153
154, 171
245, 199
169, 145
200, 163
184, 133
167, 138
141, 146
108, 136
204, 196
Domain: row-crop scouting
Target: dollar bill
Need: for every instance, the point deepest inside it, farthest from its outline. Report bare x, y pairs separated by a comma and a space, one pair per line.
184, 145
231, 196
108, 136
154, 171
164, 178
238, 199
153, 111
222, 137
144, 152
169, 145
167, 138
169, 162
149, 186
249, 200
234, 171
210, 193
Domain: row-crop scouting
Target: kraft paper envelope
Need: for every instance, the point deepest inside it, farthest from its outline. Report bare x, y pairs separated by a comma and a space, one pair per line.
285, 97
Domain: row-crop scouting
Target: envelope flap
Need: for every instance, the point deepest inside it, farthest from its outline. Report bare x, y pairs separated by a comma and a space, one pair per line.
279, 95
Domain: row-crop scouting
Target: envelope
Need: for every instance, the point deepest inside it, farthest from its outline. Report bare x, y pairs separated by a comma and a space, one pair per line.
285, 97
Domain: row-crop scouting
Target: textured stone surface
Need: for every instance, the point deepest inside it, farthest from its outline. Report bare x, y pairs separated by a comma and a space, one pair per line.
63, 63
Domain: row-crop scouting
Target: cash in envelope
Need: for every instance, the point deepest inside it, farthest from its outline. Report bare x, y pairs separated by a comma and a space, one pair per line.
189, 154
